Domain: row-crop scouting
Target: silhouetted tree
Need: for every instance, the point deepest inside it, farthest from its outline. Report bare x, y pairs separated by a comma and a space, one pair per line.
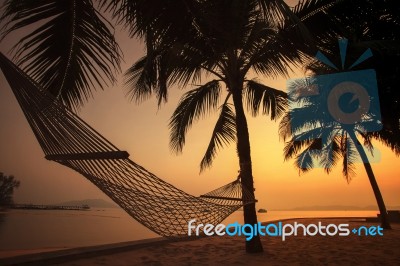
7, 186
227, 40
315, 140
372, 24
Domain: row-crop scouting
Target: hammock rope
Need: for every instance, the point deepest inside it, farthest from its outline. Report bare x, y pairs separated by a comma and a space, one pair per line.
67, 139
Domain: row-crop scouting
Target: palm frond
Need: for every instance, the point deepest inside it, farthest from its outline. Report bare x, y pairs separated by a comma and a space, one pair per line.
192, 106
306, 118
183, 62
312, 133
308, 8
140, 79
71, 49
258, 33
124, 11
349, 154
330, 152
166, 19
279, 54
224, 132
161, 68
314, 13
301, 90
390, 138
297, 146
273, 102
367, 138
285, 127
277, 10
305, 160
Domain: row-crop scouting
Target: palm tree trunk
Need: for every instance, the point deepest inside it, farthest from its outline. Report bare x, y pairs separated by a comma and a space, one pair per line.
243, 150
378, 196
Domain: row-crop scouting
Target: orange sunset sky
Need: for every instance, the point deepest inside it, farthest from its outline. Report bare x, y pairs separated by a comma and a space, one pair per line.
142, 130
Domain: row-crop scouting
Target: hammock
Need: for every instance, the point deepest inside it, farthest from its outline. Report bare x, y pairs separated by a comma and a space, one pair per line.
67, 139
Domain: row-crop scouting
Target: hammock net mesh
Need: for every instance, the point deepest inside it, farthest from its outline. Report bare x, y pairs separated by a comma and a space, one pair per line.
67, 139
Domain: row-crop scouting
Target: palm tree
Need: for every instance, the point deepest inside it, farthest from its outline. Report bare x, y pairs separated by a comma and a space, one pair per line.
228, 40
371, 24
317, 140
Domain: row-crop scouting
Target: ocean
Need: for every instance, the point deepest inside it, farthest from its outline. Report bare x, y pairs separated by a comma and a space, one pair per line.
36, 229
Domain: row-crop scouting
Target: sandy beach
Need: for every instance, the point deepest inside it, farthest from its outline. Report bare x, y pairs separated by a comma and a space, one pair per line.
295, 250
